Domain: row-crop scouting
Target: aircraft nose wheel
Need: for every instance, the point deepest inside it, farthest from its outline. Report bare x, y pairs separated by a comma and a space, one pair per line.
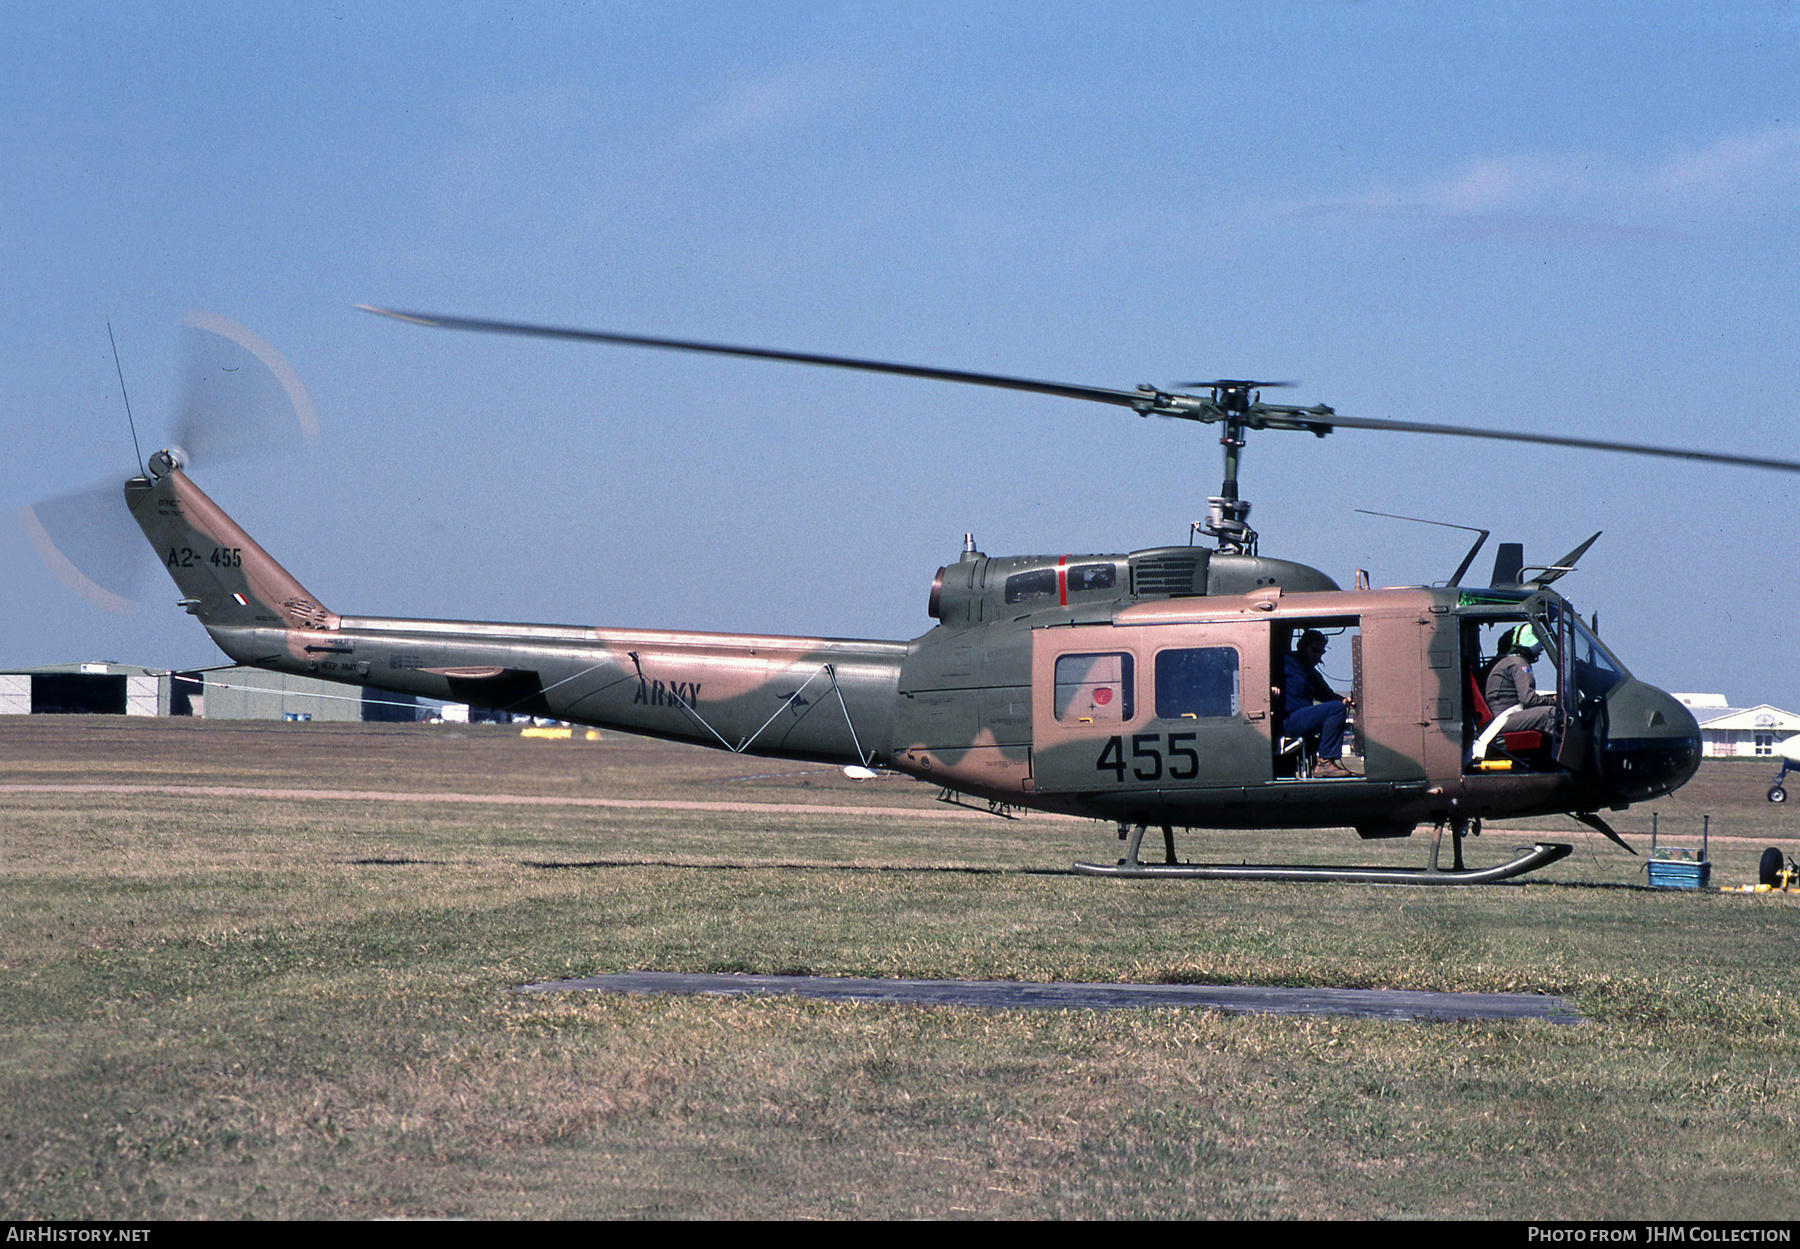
1777, 794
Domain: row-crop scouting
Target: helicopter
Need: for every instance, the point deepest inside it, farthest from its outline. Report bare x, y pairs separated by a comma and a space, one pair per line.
1140, 688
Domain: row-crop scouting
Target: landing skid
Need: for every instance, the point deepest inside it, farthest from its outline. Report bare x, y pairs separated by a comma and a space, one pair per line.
1527, 860
1540, 855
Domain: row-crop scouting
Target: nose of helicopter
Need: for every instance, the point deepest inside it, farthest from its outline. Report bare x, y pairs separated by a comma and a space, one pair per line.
1649, 742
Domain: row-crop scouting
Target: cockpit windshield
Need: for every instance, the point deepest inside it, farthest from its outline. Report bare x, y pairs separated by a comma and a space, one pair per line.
1594, 668
1590, 654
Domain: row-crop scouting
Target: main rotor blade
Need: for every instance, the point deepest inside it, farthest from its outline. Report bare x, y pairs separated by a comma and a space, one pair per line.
1558, 440
1098, 394
1320, 420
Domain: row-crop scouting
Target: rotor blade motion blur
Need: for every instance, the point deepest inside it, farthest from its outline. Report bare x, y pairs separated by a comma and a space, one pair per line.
1229, 403
1097, 394
88, 539
1559, 440
239, 399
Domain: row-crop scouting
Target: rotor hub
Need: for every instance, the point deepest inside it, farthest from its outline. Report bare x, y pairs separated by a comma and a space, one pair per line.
1226, 523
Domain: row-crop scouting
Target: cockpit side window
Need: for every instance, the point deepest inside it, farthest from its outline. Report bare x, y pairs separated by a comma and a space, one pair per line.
1596, 671
1546, 620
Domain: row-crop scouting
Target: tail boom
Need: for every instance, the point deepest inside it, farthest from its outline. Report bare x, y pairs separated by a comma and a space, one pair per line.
827, 699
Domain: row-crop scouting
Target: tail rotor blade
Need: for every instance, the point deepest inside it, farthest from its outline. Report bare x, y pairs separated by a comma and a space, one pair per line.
240, 397
88, 539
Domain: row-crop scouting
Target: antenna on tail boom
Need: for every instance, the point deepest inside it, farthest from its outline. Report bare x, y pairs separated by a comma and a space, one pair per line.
128, 417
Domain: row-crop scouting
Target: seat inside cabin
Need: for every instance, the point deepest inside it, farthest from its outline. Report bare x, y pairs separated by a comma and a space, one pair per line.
1525, 745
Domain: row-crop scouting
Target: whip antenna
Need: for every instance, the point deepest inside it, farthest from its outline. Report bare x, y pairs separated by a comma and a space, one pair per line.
128, 418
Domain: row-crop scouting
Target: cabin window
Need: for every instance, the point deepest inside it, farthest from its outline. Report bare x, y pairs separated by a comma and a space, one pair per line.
1084, 577
1198, 684
1023, 587
1094, 689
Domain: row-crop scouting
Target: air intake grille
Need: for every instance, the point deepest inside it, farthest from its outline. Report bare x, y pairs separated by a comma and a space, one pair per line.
1166, 576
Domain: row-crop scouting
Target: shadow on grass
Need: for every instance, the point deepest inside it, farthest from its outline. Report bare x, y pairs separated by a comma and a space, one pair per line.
852, 868
397, 862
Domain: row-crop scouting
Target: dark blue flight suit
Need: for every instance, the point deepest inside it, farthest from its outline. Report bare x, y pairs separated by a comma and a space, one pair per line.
1312, 707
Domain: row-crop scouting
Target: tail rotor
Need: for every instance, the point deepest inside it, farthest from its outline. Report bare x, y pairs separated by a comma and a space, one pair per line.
239, 400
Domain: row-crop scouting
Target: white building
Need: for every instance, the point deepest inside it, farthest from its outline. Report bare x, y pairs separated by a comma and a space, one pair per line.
1739, 732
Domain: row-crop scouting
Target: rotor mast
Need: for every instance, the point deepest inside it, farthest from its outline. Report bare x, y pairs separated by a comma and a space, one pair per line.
1227, 515
1236, 405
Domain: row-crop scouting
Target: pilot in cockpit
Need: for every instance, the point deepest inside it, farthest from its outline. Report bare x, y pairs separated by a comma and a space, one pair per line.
1510, 685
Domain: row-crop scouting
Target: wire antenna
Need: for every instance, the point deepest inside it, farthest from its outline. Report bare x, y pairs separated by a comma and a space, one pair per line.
128, 418
1457, 576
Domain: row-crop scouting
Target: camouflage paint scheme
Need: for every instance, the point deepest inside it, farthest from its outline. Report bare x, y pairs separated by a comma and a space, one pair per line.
976, 705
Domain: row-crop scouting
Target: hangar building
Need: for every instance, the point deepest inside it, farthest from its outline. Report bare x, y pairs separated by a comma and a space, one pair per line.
1739, 732
222, 694
106, 689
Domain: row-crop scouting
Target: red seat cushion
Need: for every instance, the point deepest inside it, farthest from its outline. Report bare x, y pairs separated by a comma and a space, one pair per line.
1523, 741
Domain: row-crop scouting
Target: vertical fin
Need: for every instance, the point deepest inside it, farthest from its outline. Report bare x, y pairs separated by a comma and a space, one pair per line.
224, 577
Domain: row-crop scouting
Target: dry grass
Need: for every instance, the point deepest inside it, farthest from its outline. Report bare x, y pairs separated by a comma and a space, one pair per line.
219, 1007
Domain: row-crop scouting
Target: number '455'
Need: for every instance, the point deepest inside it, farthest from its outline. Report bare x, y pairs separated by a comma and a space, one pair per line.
1150, 752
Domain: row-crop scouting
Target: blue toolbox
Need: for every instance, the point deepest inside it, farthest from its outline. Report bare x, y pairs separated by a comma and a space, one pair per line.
1680, 867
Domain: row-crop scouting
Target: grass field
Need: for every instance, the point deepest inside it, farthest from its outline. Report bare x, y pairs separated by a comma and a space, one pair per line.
229, 1004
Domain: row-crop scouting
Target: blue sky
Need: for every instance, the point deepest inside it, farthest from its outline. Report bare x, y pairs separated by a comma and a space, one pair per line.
1566, 218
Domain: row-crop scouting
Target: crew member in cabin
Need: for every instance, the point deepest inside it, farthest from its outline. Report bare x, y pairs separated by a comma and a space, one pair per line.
1311, 706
